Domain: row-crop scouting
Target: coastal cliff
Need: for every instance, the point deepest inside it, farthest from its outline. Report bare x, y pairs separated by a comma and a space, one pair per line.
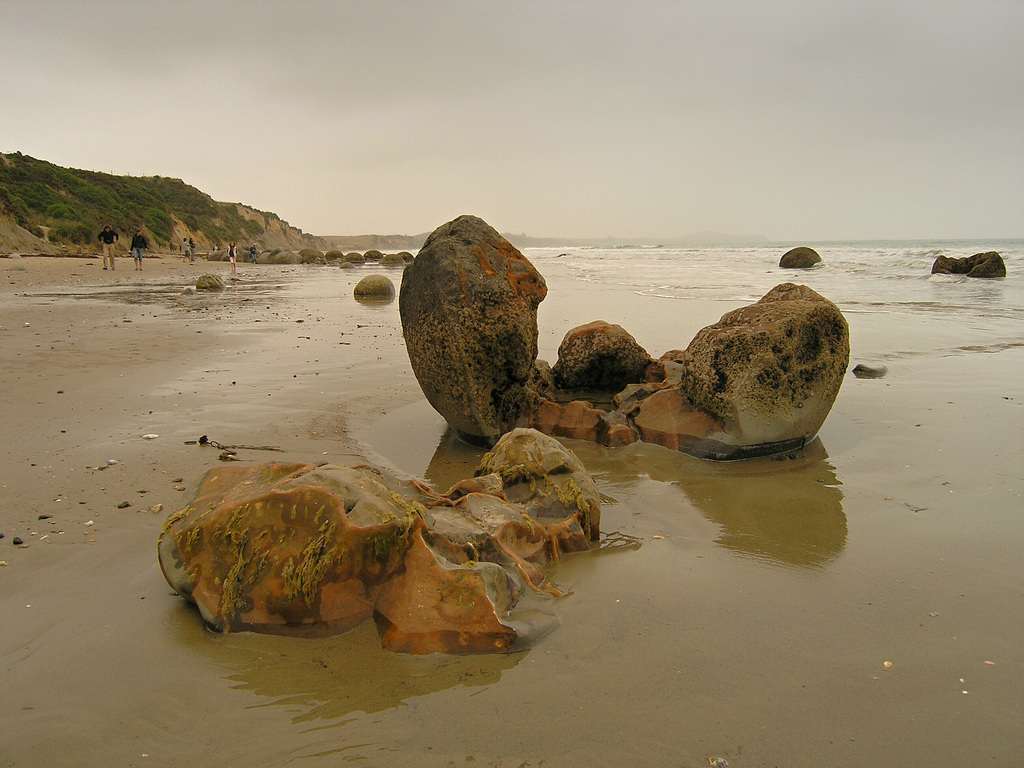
48, 209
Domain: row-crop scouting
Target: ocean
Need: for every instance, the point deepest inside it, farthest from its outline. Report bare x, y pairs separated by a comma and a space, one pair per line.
858, 603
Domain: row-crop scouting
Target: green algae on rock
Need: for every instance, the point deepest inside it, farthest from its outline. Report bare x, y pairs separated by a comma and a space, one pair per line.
312, 550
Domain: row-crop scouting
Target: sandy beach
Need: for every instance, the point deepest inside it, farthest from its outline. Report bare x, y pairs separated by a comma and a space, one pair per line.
861, 603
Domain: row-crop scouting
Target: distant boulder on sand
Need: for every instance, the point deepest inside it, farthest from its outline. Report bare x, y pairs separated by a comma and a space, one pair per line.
374, 287
801, 257
989, 264
209, 283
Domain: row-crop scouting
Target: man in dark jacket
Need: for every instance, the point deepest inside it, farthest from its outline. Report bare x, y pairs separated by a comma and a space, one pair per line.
108, 237
139, 244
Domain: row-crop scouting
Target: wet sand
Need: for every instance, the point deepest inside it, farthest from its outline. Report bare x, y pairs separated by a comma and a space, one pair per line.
744, 612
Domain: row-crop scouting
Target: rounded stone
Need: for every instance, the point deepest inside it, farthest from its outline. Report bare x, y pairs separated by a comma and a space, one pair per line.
209, 283
375, 287
599, 356
801, 257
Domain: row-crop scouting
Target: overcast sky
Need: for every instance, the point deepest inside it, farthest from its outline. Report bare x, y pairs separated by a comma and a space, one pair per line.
794, 120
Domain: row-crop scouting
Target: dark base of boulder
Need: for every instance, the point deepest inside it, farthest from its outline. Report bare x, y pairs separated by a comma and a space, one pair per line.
477, 441
717, 451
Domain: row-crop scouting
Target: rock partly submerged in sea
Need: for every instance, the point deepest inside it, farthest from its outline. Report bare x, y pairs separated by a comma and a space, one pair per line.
800, 257
313, 550
989, 264
468, 305
862, 371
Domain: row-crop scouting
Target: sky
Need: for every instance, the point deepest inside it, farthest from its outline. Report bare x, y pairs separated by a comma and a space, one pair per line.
794, 120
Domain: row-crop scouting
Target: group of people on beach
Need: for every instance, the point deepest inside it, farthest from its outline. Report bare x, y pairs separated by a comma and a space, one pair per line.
139, 244
188, 249
108, 237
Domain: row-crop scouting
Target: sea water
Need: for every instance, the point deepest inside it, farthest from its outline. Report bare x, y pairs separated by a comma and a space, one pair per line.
881, 287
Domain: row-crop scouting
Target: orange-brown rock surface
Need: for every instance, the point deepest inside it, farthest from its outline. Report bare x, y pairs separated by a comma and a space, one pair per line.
759, 381
312, 550
468, 305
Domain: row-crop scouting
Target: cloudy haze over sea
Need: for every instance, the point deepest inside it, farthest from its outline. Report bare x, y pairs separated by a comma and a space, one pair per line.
792, 120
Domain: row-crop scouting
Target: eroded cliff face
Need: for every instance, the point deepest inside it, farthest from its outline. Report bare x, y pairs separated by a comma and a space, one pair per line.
277, 234
16, 239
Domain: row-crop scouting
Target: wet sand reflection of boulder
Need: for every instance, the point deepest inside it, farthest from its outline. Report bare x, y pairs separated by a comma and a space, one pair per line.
786, 510
317, 682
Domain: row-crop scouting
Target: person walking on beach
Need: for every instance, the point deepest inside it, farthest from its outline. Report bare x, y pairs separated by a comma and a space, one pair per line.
191, 251
231, 255
252, 253
139, 244
184, 249
108, 237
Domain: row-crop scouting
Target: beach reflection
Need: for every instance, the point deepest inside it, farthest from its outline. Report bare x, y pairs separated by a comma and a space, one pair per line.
332, 678
787, 509
452, 460
792, 515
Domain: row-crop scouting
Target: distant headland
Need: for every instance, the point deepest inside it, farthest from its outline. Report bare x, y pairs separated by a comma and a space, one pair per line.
49, 209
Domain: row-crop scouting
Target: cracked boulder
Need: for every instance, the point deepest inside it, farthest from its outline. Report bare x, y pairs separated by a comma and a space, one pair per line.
468, 305
314, 550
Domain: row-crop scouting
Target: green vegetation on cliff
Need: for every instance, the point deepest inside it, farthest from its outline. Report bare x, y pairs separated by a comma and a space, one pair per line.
74, 205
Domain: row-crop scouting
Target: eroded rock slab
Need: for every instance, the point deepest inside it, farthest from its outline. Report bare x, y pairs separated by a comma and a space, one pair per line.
314, 550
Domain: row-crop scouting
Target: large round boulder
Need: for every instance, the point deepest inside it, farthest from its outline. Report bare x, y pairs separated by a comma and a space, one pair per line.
599, 356
285, 257
374, 288
800, 257
468, 305
766, 373
989, 264
392, 260
354, 257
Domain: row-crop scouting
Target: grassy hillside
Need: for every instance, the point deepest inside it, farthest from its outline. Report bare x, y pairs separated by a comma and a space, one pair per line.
74, 205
